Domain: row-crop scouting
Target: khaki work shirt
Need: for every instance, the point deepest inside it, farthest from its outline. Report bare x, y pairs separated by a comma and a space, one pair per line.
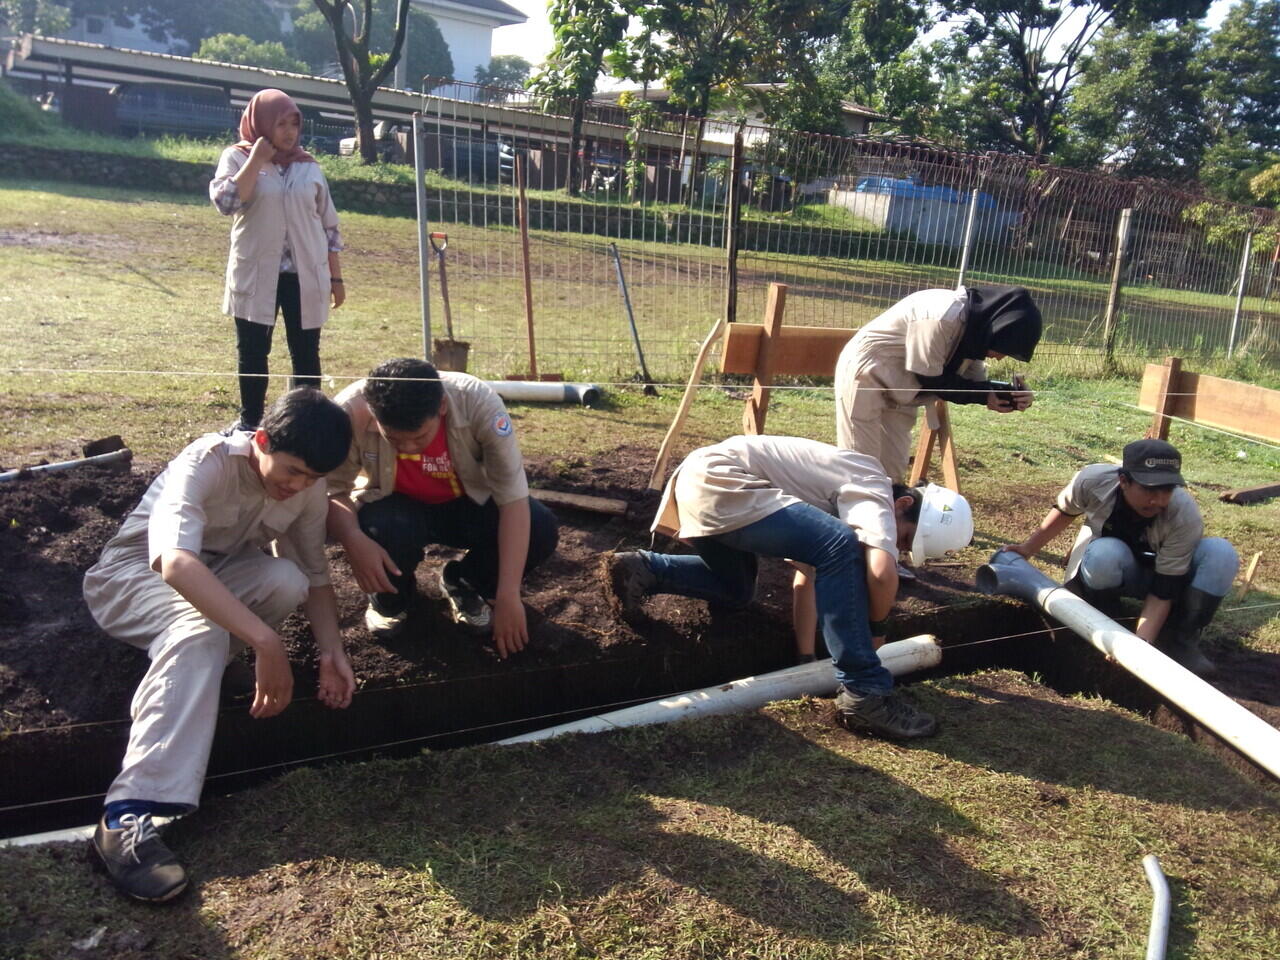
917, 335
1173, 534
292, 207
482, 444
738, 481
211, 502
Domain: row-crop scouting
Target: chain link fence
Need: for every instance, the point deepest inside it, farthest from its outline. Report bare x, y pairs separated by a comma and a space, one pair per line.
705, 214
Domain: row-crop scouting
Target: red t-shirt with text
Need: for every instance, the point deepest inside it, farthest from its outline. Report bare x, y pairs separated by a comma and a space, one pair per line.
429, 476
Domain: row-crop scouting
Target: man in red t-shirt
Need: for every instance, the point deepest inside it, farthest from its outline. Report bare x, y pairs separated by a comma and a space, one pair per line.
434, 459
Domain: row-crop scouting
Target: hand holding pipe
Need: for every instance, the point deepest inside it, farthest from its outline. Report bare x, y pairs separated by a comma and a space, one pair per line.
1008, 573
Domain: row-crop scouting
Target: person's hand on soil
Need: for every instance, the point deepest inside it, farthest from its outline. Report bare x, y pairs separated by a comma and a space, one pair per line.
274, 678
999, 404
510, 628
263, 151
337, 682
370, 564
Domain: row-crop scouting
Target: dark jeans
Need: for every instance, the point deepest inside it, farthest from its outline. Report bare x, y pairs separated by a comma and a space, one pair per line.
404, 526
253, 345
724, 571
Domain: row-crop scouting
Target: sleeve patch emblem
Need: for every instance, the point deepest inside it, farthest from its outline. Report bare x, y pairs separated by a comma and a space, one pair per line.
502, 425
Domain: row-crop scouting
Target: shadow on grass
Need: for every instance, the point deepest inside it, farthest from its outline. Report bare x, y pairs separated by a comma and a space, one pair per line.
741, 811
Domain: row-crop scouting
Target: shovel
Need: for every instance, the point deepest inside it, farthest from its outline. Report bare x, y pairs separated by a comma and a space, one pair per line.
449, 354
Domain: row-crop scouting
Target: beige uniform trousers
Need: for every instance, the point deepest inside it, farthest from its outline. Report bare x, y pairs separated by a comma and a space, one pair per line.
175, 708
867, 421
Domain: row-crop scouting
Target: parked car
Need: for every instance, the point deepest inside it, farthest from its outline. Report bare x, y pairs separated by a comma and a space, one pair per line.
384, 136
189, 109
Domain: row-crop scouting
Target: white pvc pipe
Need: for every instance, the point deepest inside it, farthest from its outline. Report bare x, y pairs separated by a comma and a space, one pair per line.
69, 835
1158, 934
749, 693
542, 391
1007, 572
101, 459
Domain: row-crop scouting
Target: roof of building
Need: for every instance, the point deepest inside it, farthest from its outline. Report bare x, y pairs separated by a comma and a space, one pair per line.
492, 9
660, 94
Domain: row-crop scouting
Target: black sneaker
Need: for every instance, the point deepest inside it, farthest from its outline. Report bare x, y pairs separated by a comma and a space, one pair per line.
627, 581
137, 860
889, 715
468, 607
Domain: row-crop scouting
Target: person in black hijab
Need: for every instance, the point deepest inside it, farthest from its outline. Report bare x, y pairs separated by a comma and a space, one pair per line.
998, 322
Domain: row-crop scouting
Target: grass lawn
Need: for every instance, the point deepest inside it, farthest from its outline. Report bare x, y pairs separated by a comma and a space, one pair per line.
770, 835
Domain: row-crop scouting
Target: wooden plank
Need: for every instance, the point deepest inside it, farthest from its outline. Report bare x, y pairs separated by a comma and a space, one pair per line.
929, 437
658, 475
1246, 582
924, 452
582, 501
757, 406
1227, 404
950, 471
1251, 494
1170, 382
797, 351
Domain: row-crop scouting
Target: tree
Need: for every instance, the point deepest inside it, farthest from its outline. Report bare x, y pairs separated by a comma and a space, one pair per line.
187, 20
237, 48
1242, 96
1139, 103
584, 30
363, 70
1024, 57
32, 16
425, 51
505, 70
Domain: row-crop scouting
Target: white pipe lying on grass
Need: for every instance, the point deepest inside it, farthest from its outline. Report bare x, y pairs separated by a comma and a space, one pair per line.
102, 459
1009, 573
1158, 934
750, 693
541, 391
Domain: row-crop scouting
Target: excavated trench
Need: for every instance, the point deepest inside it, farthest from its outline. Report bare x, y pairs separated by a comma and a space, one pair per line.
64, 686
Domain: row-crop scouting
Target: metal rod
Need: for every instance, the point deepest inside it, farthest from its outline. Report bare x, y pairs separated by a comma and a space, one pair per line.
968, 237
1113, 295
1158, 934
1241, 284
424, 257
631, 317
102, 459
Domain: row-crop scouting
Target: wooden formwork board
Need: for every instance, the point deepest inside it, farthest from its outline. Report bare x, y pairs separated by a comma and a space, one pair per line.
795, 351
1215, 402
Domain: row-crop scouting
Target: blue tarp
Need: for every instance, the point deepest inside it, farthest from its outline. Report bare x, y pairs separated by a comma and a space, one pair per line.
914, 189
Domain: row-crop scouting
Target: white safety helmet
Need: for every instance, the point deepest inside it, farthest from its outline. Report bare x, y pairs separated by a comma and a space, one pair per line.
946, 523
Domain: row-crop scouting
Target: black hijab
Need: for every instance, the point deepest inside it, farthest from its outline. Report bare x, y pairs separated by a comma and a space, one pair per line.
1004, 319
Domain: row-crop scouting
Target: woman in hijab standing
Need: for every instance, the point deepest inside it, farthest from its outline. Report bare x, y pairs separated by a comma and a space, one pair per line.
284, 246
931, 345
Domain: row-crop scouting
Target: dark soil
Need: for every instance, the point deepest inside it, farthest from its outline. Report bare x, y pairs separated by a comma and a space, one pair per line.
58, 669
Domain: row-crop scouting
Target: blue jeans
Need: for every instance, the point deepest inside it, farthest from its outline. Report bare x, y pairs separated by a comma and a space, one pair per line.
1109, 564
724, 571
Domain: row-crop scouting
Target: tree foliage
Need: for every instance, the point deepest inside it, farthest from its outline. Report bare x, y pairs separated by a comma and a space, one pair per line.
187, 21
237, 48
505, 70
425, 51
33, 16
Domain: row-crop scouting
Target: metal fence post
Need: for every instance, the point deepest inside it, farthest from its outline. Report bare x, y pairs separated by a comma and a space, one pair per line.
424, 259
1113, 295
732, 229
968, 237
1240, 285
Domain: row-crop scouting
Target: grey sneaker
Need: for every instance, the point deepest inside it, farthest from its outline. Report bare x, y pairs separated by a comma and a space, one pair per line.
889, 715
137, 860
469, 609
627, 580
382, 626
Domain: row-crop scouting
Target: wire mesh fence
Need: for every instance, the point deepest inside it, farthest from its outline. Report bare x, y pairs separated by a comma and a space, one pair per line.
706, 213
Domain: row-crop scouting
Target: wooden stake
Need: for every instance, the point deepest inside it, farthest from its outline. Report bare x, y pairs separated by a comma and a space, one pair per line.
758, 405
1246, 582
582, 501
677, 424
936, 429
522, 211
1167, 398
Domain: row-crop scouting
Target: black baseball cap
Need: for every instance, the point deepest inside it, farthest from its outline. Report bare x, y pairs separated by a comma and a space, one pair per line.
1153, 463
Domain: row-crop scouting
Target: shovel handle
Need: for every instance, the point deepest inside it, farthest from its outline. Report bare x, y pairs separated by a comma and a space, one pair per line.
444, 242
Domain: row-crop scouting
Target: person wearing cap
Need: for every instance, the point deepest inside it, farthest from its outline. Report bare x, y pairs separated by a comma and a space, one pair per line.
930, 345
794, 498
1143, 536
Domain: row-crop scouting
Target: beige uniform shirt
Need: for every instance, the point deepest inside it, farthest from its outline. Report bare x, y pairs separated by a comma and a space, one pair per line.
1173, 535
292, 207
482, 444
734, 483
210, 501
917, 335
